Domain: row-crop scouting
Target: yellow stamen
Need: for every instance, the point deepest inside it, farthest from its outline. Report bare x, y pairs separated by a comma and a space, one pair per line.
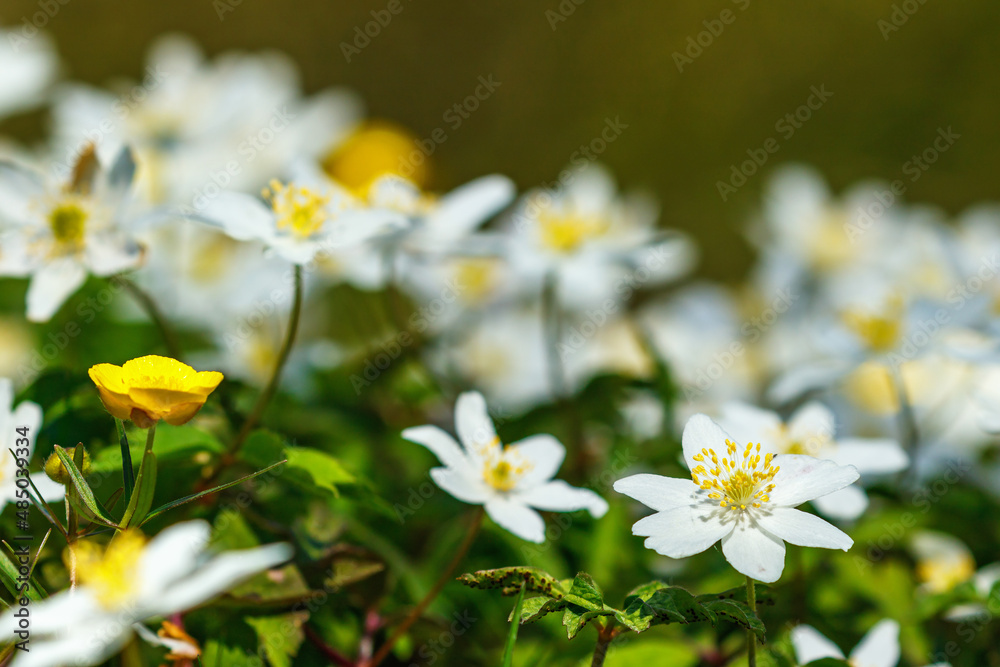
68, 222
299, 210
566, 233
110, 573
739, 484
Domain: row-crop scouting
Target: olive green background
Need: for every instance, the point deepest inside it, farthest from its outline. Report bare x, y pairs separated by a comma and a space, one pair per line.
615, 59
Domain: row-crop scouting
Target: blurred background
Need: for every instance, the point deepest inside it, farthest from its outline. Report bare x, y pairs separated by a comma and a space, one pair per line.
897, 72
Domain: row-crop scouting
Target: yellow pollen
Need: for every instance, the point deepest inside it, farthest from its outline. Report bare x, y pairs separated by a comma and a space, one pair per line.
566, 233
299, 210
110, 573
943, 573
742, 483
477, 277
502, 467
68, 222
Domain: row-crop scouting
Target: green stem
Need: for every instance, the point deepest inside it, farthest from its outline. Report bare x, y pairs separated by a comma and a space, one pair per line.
128, 472
150, 438
605, 635
751, 637
552, 325
416, 612
155, 315
272, 386
909, 433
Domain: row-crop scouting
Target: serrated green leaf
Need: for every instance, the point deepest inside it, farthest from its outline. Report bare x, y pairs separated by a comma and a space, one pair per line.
657, 603
537, 607
509, 580
325, 471
576, 618
738, 613
279, 636
585, 593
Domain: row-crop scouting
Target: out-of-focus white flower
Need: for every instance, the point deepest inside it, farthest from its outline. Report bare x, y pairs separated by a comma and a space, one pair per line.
943, 561
595, 243
29, 416
711, 353
512, 481
878, 648
131, 582
299, 222
741, 496
199, 126
27, 68
16, 348
58, 233
810, 431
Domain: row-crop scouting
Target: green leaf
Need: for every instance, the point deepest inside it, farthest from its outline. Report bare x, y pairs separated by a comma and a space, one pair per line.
576, 618
279, 636
737, 612
186, 499
585, 593
9, 576
537, 607
142, 498
508, 651
656, 603
325, 471
128, 473
87, 502
509, 580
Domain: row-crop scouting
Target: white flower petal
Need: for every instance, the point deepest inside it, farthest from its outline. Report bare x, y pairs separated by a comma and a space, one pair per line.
544, 453
108, 256
51, 491
444, 447
219, 575
461, 484
658, 492
517, 518
240, 216
875, 456
683, 531
77, 648
811, 645
20, 188
801, 478
294, 249
51, 286
754, 552
172, 555
748, 423
355, 226
468, 206
701, 432
473, 422
878, 648
846, 505
558, 496
811, 420
26, 414
803, 529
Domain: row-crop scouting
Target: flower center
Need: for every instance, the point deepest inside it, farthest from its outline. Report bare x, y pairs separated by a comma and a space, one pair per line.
299, 210
477, 278
111, 573
942, 574
68, 223
566, 233
502, 467
737, 482
879, 332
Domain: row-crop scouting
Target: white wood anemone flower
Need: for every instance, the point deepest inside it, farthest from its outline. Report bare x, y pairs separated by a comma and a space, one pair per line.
27, 68
59, 232
810, 431
25, 415
740, 495
133, 581
299, 221
878, 648
511, 482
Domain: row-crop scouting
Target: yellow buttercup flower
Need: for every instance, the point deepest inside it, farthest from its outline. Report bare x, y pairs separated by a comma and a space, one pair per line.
149, 389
